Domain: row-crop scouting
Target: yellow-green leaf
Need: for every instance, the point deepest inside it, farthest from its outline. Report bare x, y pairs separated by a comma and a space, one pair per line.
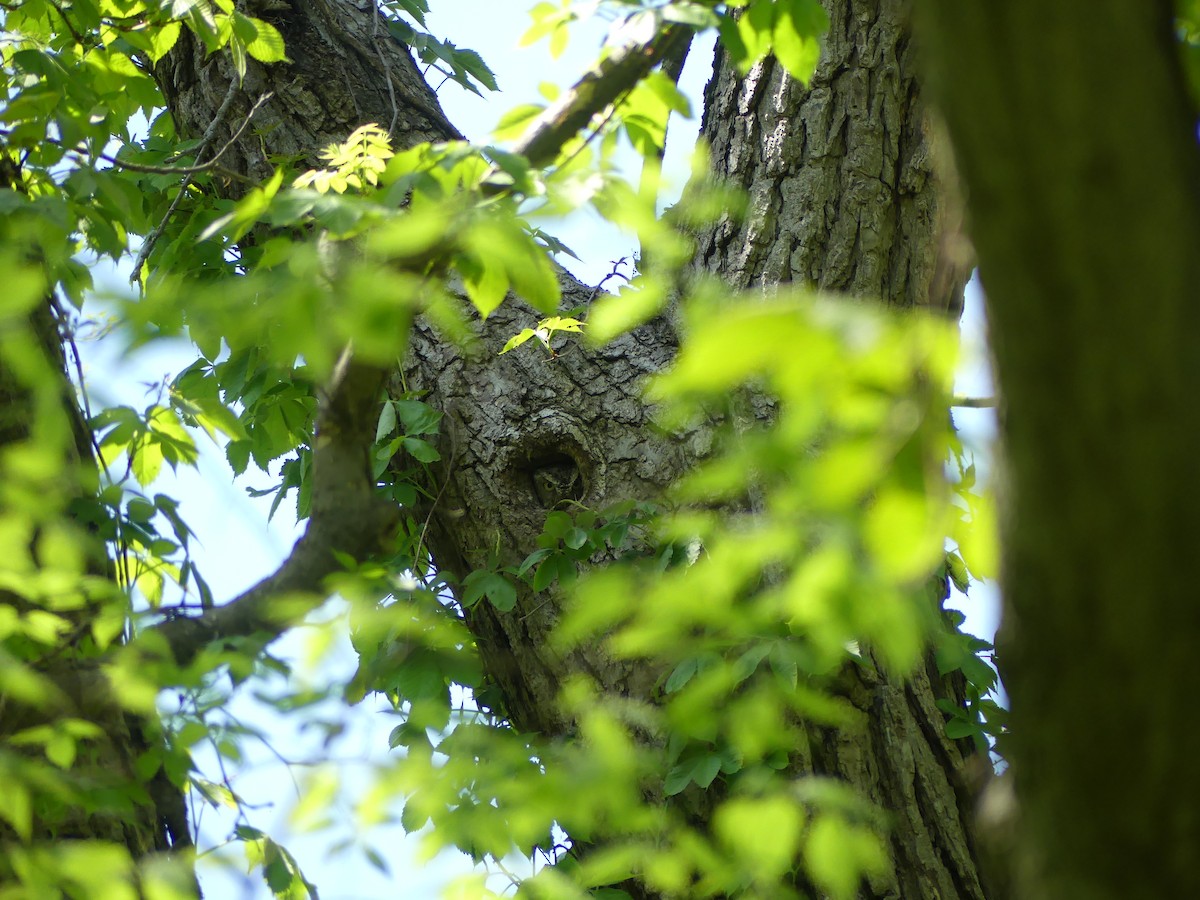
267, 44
796, 36
761, 834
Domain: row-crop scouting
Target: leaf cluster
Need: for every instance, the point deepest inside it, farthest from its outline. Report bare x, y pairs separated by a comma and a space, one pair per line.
790, 569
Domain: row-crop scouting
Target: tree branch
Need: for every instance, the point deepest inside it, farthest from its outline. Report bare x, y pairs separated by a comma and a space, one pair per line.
594, 91
973, 402
349, 518
209, 135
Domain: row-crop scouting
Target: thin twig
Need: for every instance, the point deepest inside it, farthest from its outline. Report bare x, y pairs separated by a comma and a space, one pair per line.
437, 497
387, 70
597, 129
160, 170
67, 331
153, 237
973, 402
78, 38
599, 288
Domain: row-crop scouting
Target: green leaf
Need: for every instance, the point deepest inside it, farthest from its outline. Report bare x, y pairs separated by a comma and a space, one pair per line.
247, 211
785, 666
501, 593
417, 417
838, 855
512, 164
903, 541
762, 834
796, 37
558, 523
486, 280
411, 819
534, 277
701, 769
532, 560
979, 674
681, 675
498, 589
518, 339
748, 662
375, 858
677, 779
238, 455
60, 750
706, 769
276, 871
695, 14
471, 63
957, 570
551, 20
140, 510
387, 422
147, 462
503, 253
415, 8
162, 40
755, 27
266, 45
16, 808
514, 122
959, 728
420, 450
214, 416
421, 676
548, 572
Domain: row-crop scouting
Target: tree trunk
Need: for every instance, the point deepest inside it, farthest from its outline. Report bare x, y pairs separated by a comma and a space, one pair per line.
101, 795
842, 196
1076, 133
841, 175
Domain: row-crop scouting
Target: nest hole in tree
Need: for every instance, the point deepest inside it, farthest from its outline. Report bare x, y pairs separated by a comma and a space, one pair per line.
555, 477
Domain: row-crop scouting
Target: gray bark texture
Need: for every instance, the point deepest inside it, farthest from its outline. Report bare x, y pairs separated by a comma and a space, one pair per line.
843, 196
1075, 132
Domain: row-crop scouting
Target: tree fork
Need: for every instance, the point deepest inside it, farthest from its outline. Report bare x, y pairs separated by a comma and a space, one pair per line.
850, 156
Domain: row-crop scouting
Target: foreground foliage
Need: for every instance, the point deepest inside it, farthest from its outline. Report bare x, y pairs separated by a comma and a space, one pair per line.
806, 555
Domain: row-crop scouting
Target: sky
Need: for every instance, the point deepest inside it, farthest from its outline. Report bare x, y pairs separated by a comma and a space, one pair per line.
237, 546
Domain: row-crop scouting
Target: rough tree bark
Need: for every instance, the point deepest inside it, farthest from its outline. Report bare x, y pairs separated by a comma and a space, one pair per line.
843, 196
1076, 133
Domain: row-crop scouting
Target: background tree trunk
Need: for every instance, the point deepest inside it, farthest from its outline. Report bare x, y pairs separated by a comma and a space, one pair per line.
843, 196
40, 415
1076, 133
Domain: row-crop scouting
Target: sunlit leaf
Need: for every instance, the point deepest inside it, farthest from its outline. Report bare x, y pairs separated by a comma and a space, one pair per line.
762, 834
796, 36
